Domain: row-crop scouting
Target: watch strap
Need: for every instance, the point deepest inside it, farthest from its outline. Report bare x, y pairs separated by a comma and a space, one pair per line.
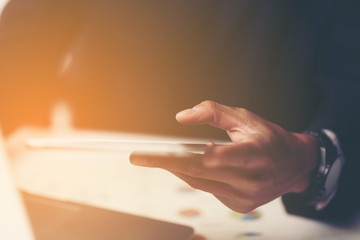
329, 152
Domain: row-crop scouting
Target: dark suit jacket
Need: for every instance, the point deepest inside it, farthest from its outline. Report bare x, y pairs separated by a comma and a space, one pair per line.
135, 64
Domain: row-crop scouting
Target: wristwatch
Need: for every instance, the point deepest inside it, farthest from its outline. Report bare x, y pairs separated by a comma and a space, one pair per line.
326, 177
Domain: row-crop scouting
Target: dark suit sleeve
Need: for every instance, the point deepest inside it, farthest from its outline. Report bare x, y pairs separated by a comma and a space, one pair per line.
338, 76
34, 37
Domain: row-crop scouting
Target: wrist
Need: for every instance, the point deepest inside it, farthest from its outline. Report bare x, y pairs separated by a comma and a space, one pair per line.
307, 155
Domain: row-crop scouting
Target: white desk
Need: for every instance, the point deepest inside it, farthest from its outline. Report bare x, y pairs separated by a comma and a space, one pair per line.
106, 179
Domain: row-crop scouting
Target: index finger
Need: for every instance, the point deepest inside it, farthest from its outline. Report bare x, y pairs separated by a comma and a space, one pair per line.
209, 112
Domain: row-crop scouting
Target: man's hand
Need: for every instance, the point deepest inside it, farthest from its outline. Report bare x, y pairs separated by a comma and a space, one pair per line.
264, 162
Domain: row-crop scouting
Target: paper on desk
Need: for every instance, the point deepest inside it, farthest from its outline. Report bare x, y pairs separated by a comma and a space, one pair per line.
155, 193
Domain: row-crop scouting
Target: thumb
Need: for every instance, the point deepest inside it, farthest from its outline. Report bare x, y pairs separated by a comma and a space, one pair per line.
209, 112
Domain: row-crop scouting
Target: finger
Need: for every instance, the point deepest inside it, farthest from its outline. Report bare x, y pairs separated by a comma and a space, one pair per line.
162, 160
192, 166
209, 112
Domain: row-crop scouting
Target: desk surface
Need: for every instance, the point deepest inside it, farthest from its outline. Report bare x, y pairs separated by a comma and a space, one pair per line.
106, 179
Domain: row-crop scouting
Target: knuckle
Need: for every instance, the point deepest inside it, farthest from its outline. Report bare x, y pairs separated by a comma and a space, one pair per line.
209, 103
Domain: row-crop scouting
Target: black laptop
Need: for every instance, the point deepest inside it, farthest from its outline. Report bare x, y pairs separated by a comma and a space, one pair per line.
59, 220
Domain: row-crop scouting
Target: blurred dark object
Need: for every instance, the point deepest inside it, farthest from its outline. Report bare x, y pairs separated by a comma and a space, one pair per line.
54, 219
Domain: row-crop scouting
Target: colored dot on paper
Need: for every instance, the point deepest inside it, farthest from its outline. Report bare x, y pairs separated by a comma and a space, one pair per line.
247, 234
253, 215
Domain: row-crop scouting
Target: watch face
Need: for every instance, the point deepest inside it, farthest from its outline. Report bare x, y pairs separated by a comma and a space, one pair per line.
333, 177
